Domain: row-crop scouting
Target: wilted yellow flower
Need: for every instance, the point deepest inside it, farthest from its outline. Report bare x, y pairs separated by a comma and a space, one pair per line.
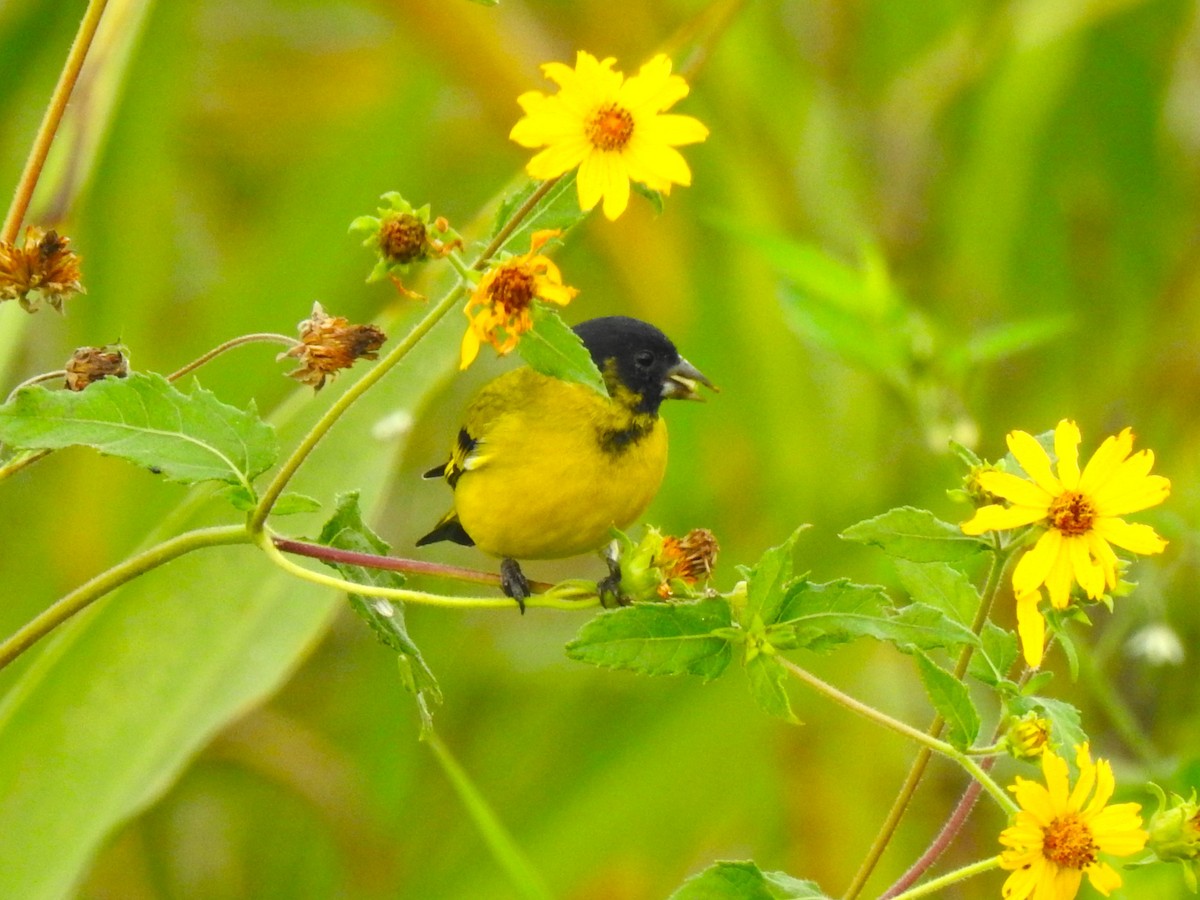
612, 128
43, 268
330, 343
501, 306
1058, 834
1081, 514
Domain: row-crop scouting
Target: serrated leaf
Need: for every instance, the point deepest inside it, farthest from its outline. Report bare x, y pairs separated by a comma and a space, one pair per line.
952, 701
658, 639
745, 881
768, 580
767, 680
997, 652
916, 535
940, 586
145, 420
1066, 730
820, 616
553, 349
557, 209
922, 627
346, 530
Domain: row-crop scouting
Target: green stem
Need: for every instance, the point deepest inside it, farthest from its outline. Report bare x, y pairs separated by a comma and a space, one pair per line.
91, 591
930, 743
501, 844
260, 338
1000, 558
944, 881
554, 599
50, 121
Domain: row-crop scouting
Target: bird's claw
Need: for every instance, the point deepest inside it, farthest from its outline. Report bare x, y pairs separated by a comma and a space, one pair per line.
513, 582
609, 587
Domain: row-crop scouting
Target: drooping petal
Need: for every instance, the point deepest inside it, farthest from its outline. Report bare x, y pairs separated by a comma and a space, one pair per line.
1034, 461
1066, 448
1104, 556
1103, 878
1035, 565
590, 181
469, 348
1087, 571
1059, 580
616, 186
1031, 626
1065, 884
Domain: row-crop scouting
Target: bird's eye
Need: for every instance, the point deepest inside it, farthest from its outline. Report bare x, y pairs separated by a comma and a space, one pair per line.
644, 359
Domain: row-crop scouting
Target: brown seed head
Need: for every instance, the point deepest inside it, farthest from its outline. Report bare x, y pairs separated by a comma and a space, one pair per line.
403, 239
91, 364
689, 559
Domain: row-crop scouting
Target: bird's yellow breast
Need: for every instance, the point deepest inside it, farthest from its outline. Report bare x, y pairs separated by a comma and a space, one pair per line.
555, 467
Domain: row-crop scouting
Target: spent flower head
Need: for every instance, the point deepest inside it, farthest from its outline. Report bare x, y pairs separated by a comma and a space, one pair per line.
500, 309
330, 343
43, 268
664, 567
1079, 512
88, 365
1059, 832
613, 128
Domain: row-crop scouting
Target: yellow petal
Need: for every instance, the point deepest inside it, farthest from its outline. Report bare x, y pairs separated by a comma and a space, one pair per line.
1000, 518
656, 165
557, 159
1103, 878
1086, 570
1039, 810
1059, 579
1133, 536
1015, 490
1031, 626
1105, 461
1104, 556
1087, 780
1131, 490
1117, 829
1034, 461
673, 130
1034, 566
1066, 448
590, 181
1063, 886
653, 88
470, 348
616, 186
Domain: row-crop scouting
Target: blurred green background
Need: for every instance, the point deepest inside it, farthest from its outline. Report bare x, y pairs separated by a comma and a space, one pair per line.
910, 222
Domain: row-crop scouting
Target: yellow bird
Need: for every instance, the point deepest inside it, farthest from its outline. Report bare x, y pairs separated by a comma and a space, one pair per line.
544, 468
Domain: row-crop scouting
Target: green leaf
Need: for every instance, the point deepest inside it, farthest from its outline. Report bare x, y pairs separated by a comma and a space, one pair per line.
1009, 339
922, 627
553, 349
144, 419
745, 881
658, 639
820, 616
994, 659
288, 504
1066, 729
767, 685
916, 535
951, 700
346, 530
940, 586
558, 209
768, 580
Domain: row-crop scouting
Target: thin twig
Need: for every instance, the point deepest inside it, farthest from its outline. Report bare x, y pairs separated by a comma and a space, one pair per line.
258, 338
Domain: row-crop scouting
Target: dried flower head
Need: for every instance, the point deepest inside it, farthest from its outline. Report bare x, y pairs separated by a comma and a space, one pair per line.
91, 364
42, 269
501, 306
329, 343
689, 559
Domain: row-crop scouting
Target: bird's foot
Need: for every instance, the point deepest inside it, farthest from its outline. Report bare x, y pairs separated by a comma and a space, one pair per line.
513, 582
609, 587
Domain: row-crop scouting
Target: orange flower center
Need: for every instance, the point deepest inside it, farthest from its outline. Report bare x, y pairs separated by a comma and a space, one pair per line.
1068, 842
1072, 513
513, 289
610, 127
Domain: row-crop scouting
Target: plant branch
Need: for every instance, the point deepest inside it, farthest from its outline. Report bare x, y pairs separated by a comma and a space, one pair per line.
259, 338
50, 121
91, 591
932, 887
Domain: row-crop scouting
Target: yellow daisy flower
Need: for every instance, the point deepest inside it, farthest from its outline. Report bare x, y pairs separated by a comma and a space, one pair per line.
500, 308
1057, 836
611, 127
1081, 514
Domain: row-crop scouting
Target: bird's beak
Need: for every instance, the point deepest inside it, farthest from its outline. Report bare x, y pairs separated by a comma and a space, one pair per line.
683, 381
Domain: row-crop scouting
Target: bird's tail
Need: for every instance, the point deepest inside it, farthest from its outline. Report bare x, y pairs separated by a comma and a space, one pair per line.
447, 529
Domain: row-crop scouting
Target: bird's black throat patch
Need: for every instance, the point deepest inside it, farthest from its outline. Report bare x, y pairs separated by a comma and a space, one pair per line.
616, 441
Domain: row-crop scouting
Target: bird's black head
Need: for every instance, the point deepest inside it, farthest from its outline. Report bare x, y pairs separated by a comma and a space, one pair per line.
641, 359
